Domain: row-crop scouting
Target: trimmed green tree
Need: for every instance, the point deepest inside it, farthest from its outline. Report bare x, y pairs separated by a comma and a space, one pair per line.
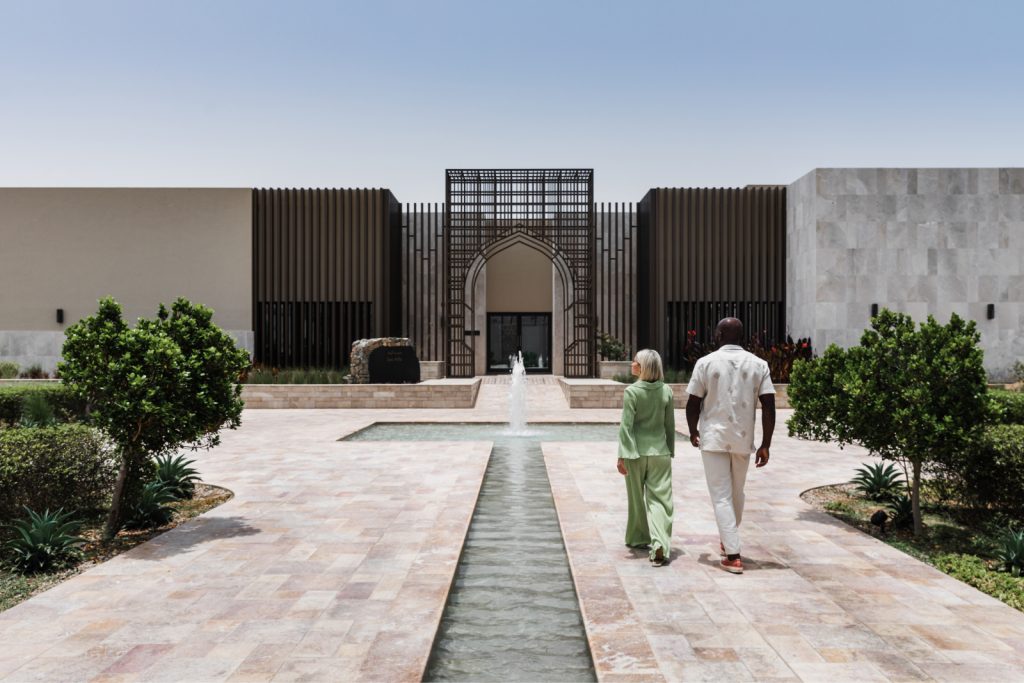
165, 384
915, 396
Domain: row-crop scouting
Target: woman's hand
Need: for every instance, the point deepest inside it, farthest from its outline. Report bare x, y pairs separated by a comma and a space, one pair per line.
621, 466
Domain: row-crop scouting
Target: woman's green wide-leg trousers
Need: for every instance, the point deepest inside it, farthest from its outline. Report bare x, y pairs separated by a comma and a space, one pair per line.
649, 494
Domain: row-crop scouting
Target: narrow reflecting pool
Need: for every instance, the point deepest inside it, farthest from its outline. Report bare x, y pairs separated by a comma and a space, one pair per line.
512, 613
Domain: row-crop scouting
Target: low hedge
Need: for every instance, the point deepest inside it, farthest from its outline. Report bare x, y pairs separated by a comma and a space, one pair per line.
973, 571
991, 474
1007, 407
68, 466
66, 406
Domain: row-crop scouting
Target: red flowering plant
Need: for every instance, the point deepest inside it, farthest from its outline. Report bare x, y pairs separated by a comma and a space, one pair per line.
780, 356
694, 350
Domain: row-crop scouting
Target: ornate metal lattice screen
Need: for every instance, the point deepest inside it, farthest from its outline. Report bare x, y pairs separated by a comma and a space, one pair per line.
552, 208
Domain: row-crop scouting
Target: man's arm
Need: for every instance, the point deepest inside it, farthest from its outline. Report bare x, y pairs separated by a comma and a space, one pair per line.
767, 427
693, 405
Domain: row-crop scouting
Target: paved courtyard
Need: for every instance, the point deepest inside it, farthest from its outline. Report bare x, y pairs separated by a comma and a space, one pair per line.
333, 563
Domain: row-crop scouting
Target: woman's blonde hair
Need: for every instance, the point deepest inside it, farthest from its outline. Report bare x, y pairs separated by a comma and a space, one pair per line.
650, 365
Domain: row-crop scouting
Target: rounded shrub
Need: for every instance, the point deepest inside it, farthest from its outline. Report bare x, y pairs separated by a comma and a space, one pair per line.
991, 473
68, 466
1006, 407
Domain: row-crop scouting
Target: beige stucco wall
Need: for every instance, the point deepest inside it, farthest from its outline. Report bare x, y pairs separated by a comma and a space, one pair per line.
519, 281
66, 248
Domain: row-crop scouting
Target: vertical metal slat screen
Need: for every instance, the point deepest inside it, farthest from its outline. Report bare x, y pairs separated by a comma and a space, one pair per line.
616, 232
324, 263
709, 253
423, 279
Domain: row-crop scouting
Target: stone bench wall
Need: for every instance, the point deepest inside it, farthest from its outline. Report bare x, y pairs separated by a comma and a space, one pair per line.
430, 394
598, 393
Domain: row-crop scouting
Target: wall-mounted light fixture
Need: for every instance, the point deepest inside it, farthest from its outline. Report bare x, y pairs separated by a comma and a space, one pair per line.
874, 310
60, 316
991, 312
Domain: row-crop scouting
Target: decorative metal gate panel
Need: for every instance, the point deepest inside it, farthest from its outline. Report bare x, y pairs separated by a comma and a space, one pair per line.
549, 207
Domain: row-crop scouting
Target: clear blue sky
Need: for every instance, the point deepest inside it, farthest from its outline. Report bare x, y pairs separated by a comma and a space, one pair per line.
389, 94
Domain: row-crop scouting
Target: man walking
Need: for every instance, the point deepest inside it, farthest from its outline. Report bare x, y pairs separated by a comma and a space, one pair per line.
724, 389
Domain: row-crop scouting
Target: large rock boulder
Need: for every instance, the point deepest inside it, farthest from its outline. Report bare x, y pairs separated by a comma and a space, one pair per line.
394, 361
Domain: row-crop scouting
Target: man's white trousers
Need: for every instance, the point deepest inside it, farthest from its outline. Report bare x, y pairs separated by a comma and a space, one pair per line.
726, 473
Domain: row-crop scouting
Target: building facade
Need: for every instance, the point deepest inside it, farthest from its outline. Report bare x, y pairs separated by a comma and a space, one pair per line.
522, 260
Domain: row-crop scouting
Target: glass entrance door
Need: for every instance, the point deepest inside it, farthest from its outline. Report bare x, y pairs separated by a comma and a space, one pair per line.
509, 333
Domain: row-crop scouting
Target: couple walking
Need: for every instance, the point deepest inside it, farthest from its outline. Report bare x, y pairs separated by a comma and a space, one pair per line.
723, 393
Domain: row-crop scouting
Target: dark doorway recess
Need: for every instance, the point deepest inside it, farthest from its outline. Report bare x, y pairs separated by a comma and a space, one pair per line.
509, 333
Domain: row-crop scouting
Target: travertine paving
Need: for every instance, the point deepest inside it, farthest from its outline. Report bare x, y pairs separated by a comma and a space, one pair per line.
333, 562
819, 601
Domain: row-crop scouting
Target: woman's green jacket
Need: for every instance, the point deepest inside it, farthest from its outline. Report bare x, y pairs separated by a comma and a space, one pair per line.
648, 420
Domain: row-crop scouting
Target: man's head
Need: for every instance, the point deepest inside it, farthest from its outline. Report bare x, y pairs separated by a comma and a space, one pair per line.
729, 331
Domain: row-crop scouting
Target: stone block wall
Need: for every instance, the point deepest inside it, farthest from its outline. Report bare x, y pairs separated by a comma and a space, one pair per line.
601, 393
432, 394
921, 241
431, 369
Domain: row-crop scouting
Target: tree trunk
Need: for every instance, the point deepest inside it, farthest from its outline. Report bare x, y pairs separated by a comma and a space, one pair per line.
113, 524
915, 498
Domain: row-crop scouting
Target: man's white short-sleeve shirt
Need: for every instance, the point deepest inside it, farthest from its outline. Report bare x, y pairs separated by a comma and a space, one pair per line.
730, 381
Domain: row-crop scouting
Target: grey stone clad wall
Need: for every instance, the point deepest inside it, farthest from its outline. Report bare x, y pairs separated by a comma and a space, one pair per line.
921, 241
801, 211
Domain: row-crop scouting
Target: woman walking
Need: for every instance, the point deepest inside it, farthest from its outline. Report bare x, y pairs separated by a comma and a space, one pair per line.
647, 442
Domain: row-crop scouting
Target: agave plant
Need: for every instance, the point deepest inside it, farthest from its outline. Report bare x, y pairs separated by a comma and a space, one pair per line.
177, 475
1011, 552
881, 481
44, 541
901, 511
151, 509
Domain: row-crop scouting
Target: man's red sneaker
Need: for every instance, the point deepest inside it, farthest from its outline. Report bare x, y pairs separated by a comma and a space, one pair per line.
732, 566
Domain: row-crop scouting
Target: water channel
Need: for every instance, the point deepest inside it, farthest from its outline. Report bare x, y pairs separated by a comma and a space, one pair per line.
512, 613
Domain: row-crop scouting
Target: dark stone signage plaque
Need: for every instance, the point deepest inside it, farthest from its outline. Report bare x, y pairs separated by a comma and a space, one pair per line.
394, 365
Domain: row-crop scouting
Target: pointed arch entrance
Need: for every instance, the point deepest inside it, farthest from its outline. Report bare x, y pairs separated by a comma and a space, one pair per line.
551, 320
549, 210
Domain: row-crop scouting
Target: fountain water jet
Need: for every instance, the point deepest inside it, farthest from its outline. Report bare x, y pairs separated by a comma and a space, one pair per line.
517, 398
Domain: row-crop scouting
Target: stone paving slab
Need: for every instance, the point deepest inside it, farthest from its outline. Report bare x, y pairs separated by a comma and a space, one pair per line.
333, 562
819, 600
334, 559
